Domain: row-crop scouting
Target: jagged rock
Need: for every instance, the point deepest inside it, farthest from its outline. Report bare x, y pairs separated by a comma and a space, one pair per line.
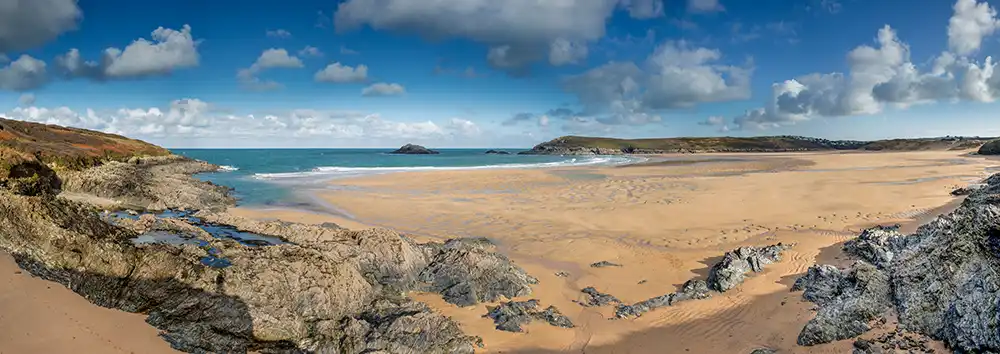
469, 271
497, 152
510, 316
692, 289
732, 269
562, 274
847, 301
967, 189
862, 346
410, 149
597, 298
763, 351
877, 245
603, 264
990, 148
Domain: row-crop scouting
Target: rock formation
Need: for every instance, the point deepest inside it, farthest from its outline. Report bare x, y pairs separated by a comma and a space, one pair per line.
497, 152
510, 316
942, 281
990, 148
410, 149
731, 271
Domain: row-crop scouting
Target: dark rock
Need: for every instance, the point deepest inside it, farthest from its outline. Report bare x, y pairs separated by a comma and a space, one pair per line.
410, 149
763, 351
847, 301
692, 289
469, 271
562, 274
990, 148
732, 269
512, 315
497, 152
877, 245
603, 264
597, 298
967, 189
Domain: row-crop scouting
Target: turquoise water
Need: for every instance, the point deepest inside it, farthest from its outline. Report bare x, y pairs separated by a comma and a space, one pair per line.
268, 177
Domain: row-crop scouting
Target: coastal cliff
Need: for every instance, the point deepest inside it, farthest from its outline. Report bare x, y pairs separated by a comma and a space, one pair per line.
578, 145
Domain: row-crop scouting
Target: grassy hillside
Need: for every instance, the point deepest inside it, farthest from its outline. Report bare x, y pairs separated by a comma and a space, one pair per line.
32, 153
748, 144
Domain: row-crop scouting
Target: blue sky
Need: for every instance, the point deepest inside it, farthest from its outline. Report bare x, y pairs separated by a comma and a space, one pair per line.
485, 73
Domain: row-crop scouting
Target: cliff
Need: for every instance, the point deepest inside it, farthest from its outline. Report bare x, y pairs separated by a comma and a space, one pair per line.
578, 145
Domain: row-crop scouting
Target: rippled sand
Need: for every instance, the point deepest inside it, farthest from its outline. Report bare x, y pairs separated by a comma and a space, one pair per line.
666, 223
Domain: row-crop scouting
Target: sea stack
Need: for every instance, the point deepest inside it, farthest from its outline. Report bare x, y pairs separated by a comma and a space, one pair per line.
497, 152
410, 149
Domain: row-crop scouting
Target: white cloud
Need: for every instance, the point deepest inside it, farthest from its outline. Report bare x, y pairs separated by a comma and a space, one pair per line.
310, 51
169, 50
23, 74
383, 89
463, 127
644, 9
705, 6
971, 22
675, 75
269, 59
25, 24
563, 52
543, 121
340, 73
885, 75
26, 99
518, 31
716, 121
279, 33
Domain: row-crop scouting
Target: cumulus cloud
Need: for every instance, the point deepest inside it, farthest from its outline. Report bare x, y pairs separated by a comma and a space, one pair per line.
26, 99
310, 51
383, 89
23, 74
563, 52
168, 50
716, 121
971, 22
884, 75
197, 121
517, 118
339, 73
25, 24
705, 6
675, 75
278, 33
269, 59
518, 32
644, 9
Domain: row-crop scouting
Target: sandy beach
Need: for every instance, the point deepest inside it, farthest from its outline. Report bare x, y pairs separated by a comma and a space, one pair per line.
664, 223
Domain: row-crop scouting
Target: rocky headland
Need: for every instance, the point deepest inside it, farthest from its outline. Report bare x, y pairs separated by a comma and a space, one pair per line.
578, 145
125, 225
410, 149
990, 148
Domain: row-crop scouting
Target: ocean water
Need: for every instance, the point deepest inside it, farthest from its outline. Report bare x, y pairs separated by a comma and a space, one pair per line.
276, 177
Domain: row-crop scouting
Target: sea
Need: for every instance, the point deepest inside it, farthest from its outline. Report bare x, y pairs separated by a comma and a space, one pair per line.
278, 177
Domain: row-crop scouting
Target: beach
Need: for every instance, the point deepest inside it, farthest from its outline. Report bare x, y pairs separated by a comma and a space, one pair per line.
664, 223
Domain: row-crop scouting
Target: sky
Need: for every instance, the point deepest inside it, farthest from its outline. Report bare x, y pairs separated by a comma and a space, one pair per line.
488, 73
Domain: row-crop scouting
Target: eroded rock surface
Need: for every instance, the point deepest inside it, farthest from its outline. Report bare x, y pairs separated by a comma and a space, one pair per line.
597, 298
849, 301
734, 266
692, 290
512, 315
877, 245
411, 149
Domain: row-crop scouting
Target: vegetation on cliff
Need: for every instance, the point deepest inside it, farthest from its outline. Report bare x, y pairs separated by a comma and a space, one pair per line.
579, 145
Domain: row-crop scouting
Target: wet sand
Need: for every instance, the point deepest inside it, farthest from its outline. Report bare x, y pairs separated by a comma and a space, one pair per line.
665, 223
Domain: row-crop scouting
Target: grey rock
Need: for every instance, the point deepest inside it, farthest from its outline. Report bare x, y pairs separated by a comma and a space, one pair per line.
763, 351
877, 245
732, 269
967, 189
497, 152
469, 271
512, 315
990, 148
603, 264
597, 298
848, 301
411, 149
692, 289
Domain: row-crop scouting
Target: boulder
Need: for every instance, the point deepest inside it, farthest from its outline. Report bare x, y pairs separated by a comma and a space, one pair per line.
990, 148
732, 269
512, 315
411, 149
848, 301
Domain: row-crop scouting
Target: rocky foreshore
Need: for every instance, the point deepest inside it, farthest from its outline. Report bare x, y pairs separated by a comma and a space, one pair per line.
324, 289
942, 281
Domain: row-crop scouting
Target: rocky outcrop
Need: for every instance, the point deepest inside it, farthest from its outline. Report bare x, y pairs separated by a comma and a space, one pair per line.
512, 315
597, 298
151, 183
942, 281
990, 148
410, 149
469, 271
497, 152
604, 264
691, 290
732, 270
877, 245
962, 191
